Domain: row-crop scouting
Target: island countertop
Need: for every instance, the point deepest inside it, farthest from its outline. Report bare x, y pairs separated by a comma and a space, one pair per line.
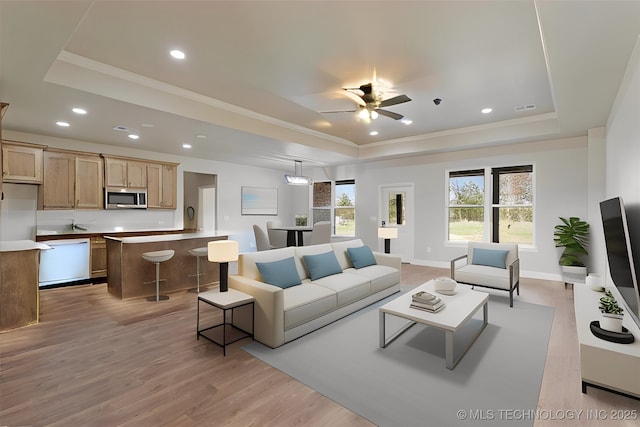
167, 237
21, 245
131, 276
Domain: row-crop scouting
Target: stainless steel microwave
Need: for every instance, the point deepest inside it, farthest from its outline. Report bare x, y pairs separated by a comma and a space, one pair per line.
125, 198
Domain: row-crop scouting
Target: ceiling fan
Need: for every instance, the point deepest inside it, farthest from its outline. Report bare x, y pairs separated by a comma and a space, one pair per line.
370, 102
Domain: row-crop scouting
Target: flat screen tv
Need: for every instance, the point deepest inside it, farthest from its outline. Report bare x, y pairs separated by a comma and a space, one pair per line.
620, 255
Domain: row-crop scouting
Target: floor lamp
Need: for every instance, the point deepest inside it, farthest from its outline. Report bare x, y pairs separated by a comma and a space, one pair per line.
387, 233
223, 252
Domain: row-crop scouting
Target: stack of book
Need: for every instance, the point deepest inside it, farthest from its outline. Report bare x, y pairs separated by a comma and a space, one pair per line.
425, 301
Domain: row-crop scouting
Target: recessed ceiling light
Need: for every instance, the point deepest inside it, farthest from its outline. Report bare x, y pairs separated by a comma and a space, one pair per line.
146, 125
63, 124
407, 121
201, 136
186, 145
134, 136
121, 128
79, 110
178, 54
486, 110
373, 133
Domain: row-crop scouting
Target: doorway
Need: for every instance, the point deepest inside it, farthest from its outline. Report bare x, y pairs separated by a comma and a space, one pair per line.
199, 201
396, 205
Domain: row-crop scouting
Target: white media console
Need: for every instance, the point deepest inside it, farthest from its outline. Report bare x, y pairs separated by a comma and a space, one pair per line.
604, 364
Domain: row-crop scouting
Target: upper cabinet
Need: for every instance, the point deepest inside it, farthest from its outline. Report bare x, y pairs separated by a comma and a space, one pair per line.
120, 172
89, 182
21, 163
72, 180
161, 190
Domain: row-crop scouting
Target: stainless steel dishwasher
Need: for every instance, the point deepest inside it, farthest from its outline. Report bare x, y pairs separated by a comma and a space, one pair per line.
67, 261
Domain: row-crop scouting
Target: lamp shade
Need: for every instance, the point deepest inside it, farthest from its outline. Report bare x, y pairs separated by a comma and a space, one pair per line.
387, 233
222, 251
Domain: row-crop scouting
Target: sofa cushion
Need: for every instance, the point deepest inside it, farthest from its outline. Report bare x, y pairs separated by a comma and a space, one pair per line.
349, 287
322, 265
490, 257
340, 249
247, 261
282, 273
381, 276
361, 257
483, 275
306, 302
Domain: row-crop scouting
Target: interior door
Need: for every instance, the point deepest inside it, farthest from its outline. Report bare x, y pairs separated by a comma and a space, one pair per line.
396, 206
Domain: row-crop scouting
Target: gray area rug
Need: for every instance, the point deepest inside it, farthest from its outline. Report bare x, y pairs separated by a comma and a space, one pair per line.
407, 384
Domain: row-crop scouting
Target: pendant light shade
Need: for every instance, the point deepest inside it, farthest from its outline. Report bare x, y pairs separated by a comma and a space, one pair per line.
298, 179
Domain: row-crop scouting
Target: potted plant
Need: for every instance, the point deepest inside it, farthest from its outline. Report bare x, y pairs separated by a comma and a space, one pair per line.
612, 313
573, 236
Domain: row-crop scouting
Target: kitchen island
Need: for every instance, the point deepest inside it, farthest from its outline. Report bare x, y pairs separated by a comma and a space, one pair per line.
127, 271
19, 293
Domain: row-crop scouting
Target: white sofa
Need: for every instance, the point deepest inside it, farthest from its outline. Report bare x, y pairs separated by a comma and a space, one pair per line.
477, 272
282, 315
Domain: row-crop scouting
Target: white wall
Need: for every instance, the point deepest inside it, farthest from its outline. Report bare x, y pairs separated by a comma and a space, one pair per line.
561, 190
623, 148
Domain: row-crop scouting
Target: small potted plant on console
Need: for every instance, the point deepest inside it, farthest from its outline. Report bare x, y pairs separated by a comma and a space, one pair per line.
611, 319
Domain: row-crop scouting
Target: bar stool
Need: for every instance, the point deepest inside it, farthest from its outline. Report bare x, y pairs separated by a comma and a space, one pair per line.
157, 257
198, 253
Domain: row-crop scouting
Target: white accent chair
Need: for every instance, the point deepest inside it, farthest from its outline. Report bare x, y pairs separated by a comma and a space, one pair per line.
262, 239
495, 266
321, 233
277, 238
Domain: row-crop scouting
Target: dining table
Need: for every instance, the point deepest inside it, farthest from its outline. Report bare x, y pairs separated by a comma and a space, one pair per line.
295, 233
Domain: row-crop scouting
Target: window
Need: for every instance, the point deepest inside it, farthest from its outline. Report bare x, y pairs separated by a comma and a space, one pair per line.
509, 211
466, 205
513, 204
345, 208
321, 201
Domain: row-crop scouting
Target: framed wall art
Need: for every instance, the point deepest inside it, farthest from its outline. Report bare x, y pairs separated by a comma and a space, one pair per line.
259, 201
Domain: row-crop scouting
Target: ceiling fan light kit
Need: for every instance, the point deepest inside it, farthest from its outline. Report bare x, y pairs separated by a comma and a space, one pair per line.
371, 103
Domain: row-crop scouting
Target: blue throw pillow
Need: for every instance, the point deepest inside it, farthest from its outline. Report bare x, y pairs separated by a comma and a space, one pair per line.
282, 274
322, 265
361, 256
490, 257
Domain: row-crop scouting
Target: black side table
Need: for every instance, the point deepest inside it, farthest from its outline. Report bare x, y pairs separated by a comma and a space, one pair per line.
225, 301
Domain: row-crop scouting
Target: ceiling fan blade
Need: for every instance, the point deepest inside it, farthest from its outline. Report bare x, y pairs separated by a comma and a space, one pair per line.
337, 111
395, 100
389, 114
355, 98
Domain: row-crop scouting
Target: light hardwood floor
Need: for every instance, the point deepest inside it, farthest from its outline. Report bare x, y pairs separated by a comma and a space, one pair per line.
98, 361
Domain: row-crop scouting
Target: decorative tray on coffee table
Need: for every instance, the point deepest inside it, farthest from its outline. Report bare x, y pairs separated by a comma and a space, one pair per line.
624, 337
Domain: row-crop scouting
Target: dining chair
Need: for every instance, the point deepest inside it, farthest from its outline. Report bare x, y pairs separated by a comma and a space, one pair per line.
321, 233
277, 238
262, 239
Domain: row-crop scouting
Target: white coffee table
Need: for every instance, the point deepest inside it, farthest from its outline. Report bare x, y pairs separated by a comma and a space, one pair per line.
458, 310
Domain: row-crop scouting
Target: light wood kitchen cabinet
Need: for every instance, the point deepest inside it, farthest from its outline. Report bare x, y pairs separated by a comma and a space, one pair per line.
161, 185
121, 172
88, 183
98, 257
19, 296
21, 163
58, 190
72, 181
